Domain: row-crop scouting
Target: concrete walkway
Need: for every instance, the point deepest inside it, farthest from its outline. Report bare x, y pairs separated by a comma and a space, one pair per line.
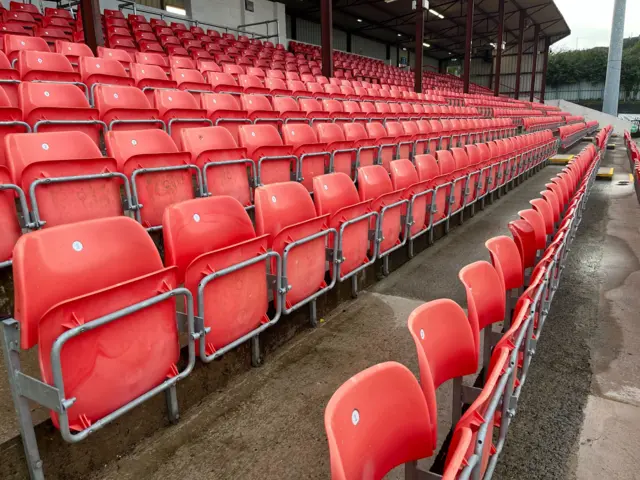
579, 416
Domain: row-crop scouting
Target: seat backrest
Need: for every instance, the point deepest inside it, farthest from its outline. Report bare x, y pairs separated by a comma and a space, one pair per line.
285, 104
279, 205
56, 264
115, 54
445, 161
506, 259
202, 225
309, 105
373, 181
124, 144
333, 191
403, 174
329, 132
254, 102
24, 149
141, 72
524, 236
544, 209
16, 43
376, 130
299, 134
182, 62
70, 49
537, 222
253, 137
460, 158
445, 346
179, 100
354, 132
427, 167
94, 70
485, 296
366, 442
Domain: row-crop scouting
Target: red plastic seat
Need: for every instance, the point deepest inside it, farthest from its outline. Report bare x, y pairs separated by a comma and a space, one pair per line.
344, 151
524, 236
507, 261
537, 222
58, 12
122, 56
129, 276
446, 350
148, 78
224, 110
45, 66
224, 83
286, 213
155, 190
335, 195
314, 158
9, 222
179, 110
102, 70
224, 165
374, 184
34, 156
24, 19
125, 108
368, 148
274, 161
404, 176
73, 51
364, 440
14, 44
213, 234
59, 107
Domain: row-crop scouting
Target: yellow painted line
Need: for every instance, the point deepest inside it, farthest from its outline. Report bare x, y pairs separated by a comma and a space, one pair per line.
631, 179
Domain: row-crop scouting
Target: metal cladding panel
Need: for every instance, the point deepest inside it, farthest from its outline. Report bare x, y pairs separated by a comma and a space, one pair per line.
368, 48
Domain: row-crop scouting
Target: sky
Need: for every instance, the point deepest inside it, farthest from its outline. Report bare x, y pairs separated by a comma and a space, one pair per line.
590, 22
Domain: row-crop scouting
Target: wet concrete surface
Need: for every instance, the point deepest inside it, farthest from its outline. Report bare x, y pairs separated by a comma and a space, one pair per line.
578, 417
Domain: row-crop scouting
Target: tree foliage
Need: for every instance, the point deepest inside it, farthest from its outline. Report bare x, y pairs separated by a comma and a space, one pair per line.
575, 66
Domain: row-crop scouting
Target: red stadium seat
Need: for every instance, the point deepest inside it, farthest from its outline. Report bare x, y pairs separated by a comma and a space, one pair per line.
125, 108
274, 161
179, 110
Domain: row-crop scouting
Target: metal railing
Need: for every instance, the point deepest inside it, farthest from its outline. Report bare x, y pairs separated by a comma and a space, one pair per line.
241, 29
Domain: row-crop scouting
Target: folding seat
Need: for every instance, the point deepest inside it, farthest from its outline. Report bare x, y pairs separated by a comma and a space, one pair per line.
276, 86
446, 351
387, 144
25, 7
335, 195
38, 159
374, 184
178, 27
14, 44
226, 170
150, 77
224, 110
207, 67
289, 110
221, 238
368, 149
113, 14
546, 211
275, 161
154, 59
9, 216
313, 157
125, 108
59, 107
524, 237
184, 63
58, 13
48, 67
285, 212
353, 416
118, 33
23, 19
115, 22
539, 229
259, 110
224, 83
252, 84
73, 51
179, 110
129, 278
298, 89
191, 81
121, 56
160, 174
313, 110
405, 143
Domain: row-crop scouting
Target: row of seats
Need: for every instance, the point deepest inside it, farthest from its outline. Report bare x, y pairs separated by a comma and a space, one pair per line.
633, 154
365, 441
571, 134
213, 248
551, 122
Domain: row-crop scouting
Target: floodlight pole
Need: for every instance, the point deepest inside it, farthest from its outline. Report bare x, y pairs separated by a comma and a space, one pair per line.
614, 63
419, 45
326, 19
468, 45
496, 87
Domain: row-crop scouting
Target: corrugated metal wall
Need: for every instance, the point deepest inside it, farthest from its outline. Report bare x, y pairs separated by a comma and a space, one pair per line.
308, 32
370, 48
482, 71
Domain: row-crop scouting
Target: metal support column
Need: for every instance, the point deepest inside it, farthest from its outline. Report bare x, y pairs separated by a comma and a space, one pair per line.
468, 46
534, 65
545, 65
326, 26
496, 78
90, 10
520, 47
419, 46
614, 63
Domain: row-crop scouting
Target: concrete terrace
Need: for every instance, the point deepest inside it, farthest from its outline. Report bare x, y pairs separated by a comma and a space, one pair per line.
578, 417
